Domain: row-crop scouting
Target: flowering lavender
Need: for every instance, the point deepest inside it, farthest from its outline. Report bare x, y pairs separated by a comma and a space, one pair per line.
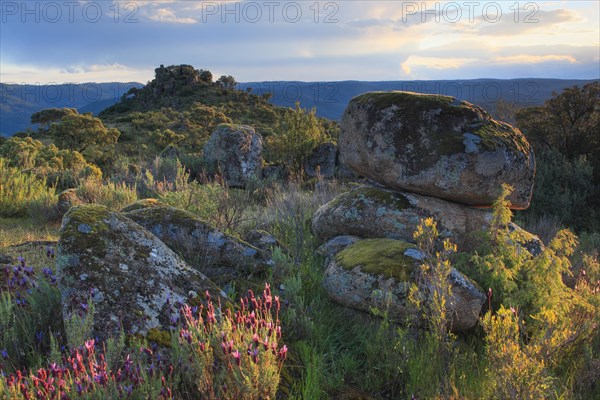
244, 346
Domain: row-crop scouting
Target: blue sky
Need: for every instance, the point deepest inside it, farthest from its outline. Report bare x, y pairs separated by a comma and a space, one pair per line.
102, 41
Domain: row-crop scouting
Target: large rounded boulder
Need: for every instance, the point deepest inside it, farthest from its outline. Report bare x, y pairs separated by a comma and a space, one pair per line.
375, 212
235, 151
216, 254
134, 280
436, 146
380, 272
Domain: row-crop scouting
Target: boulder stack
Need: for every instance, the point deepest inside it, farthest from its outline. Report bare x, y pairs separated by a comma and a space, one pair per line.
426, 156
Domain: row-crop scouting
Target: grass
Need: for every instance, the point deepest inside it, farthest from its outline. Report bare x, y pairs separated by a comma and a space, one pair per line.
334, 352
15, 231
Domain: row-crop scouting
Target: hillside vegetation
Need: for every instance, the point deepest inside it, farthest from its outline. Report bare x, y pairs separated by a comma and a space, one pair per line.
267, 217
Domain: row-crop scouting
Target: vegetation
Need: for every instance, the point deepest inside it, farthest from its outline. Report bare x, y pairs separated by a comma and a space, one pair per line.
538, 337
564, 134
299, 133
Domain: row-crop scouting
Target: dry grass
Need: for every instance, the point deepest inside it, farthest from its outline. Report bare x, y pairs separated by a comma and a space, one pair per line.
15, 231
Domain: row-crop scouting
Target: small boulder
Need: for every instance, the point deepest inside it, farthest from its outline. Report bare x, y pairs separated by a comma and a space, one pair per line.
379, 273
216, 254
235, 151
321, 162
67, 199
262, 240
436, 146
134, 280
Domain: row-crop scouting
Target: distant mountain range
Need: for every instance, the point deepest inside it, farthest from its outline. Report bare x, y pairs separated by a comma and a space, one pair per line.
331, 98
18, 102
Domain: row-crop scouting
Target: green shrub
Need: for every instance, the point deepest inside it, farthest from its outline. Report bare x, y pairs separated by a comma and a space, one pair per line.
518, 371
20, 192
562, 190
114, 195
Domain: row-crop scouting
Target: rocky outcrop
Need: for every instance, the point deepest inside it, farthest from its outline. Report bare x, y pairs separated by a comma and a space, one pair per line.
380, 272
436, 146
134, 280
216, 254
427, 156
235, 151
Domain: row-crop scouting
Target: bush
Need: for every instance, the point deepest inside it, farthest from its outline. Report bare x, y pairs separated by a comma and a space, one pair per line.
112, 195
300, 132
20, 192
563, 190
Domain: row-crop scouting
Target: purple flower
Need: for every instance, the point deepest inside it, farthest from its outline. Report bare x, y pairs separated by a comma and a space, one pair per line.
4, 353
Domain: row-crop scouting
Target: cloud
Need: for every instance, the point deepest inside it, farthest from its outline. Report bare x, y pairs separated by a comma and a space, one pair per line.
74, 74
533, 59
166, 15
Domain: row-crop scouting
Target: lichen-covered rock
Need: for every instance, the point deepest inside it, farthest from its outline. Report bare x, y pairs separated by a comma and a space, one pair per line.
262, 240
276, 172
379, 273
133, 279
373, 212
436, 146
67, 199
235, 151
321, 162
333, 246
216, 254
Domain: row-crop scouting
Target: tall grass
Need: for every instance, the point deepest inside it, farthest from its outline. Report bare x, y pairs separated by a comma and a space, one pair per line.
114, 195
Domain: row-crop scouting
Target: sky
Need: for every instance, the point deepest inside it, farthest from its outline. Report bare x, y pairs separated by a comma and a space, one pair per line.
44, 42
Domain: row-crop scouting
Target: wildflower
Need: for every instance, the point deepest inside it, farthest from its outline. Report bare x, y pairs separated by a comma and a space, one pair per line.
4, 353
146, 350
237, 357
254, 355
283, 352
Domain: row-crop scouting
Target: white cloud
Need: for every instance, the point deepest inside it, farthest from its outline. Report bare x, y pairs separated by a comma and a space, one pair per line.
74, 74
167, 15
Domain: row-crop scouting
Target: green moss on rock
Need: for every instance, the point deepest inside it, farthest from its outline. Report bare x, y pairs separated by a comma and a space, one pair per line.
379, 257
387, 99
367, 196
494, 134
159, 336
